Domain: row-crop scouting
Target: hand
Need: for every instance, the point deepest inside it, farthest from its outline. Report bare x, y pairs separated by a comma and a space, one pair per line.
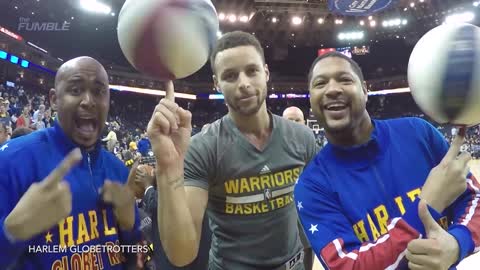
447, 181
123, 202
45, 203
144, 178
438, 252
169, 131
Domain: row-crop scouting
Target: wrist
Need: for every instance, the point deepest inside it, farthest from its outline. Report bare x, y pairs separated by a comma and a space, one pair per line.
454, 250
13, 230
433, 202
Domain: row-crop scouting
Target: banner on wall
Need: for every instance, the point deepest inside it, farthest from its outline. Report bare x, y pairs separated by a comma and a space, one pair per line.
359, 7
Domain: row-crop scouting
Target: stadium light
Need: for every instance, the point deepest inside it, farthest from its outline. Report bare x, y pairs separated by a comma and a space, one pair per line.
320, 20
296, 20
221, 16
274, 20
349, 36
95, 7
244, 18
232, 18
394, 22
460, 17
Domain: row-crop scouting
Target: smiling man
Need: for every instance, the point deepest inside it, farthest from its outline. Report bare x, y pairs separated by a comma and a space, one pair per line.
240, 170
59, 202
372, 197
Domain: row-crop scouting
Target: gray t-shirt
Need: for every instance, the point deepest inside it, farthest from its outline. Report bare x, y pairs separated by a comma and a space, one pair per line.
252, 214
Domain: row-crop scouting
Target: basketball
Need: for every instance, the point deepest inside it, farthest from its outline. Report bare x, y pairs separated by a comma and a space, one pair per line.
444, 74
167, 39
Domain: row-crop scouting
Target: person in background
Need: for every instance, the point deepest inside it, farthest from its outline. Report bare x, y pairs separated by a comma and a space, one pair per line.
25, 119
294, 114
48, 120
4, 136
143, 145
111, 138
4, 115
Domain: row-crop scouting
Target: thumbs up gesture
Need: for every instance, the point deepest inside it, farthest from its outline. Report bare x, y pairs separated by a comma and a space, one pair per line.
438, 252
45, 203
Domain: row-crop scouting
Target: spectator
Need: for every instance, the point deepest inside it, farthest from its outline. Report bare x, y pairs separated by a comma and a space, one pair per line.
25, 120
3, 133
48, 120
4, 115
111, 138
144, 145
41, 112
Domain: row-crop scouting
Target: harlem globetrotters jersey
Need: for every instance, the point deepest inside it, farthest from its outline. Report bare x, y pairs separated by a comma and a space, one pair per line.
251, 209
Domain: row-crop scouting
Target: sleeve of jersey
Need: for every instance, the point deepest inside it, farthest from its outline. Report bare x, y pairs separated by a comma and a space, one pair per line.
466, 212
10, 177
197, 162
311, 145
333, 239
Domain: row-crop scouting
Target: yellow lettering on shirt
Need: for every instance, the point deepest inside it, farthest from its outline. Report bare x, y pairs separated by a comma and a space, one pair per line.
65, 231
399, 202
373, 228
382, 218
82, 230
93, 225
360, 232
413, 194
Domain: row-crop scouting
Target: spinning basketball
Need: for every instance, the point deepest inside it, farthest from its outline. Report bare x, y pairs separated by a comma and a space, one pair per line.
444, 74
167, 39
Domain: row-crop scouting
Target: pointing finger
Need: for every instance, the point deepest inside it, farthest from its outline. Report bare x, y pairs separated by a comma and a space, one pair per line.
57, 175
455, 147
169, 91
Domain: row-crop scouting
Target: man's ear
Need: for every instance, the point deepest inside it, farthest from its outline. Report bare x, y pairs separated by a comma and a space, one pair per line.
215, 83
267, 72
365, 90
53, 98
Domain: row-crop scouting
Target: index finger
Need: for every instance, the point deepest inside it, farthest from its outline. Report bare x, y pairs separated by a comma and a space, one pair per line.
455, 146
169, 91
65, 166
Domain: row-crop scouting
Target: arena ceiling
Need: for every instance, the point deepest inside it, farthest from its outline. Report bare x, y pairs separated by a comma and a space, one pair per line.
290, 48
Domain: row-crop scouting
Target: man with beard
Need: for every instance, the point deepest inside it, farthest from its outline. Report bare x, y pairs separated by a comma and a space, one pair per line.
69, 192
371, 199
244, 166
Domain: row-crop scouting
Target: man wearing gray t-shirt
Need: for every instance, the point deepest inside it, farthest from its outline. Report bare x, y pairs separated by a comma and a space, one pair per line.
241, 170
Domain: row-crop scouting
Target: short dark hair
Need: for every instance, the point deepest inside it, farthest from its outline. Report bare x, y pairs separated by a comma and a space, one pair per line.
235, 39
21, 131
356, 68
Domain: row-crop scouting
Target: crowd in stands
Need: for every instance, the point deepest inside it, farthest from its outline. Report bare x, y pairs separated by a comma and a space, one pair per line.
23, 110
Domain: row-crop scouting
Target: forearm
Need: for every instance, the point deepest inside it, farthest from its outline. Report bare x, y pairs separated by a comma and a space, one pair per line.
177, 228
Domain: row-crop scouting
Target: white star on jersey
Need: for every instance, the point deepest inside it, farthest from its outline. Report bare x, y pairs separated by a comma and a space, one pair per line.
4, 147
313, 228
299, 205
